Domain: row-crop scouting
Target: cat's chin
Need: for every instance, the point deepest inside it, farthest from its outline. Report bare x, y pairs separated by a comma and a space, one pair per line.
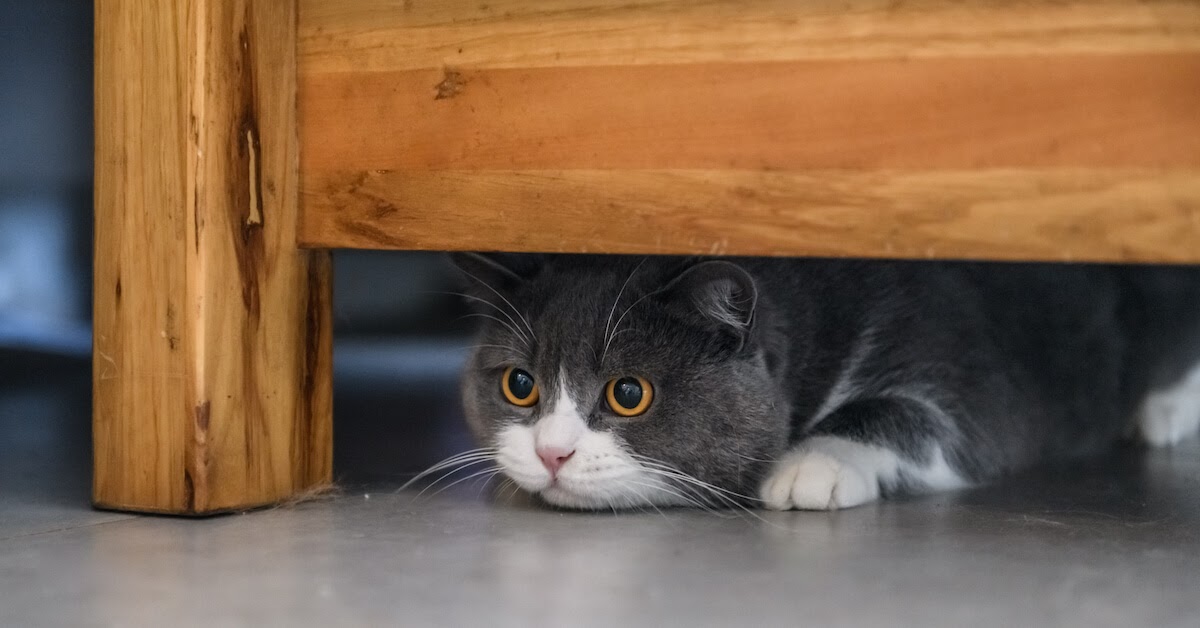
562, 498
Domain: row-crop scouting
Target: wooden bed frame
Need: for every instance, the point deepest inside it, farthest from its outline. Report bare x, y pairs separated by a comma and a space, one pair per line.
238, 140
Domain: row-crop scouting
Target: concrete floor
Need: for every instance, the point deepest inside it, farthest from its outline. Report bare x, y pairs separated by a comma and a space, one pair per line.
1112, 542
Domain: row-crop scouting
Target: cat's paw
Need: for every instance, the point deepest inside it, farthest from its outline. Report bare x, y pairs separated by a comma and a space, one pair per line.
822, 475
1164, 421
1171, 415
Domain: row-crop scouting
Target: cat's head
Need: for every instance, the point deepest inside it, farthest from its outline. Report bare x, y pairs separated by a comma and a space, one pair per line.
611, 382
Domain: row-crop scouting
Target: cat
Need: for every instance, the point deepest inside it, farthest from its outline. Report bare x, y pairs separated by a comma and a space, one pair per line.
614, 382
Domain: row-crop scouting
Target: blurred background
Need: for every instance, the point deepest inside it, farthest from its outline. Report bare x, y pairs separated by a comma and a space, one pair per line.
399, 335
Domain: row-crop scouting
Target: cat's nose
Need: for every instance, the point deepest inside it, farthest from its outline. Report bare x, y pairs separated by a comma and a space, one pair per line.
554, 457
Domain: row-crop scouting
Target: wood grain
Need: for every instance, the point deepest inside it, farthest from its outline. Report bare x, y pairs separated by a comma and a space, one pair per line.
1056, 215
385, 35
1072, 111
212, 348
1032, 129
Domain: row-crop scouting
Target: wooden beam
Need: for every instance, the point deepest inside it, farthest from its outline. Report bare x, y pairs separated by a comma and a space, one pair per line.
339, 36
1005, 112
868, 120
1069, 215
212, 367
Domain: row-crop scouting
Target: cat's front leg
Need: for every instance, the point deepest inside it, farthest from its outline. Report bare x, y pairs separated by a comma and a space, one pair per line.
865, 449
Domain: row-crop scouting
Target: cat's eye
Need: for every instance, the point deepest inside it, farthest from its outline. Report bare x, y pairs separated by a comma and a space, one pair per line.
519, 387
629, 396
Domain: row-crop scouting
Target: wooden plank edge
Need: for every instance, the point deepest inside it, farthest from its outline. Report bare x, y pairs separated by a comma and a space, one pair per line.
376, 35
1060, 215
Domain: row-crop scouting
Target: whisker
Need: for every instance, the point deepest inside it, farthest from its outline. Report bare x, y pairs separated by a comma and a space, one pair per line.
616, 302
497, 307
726, 497
695, 489
473, 456
507, 302
619, 332
588, 344
481, 451
670, 491
520, 336
484, 483
753, 459
666, 467
508, 483
640, 507
483, 486
490, 472
743, 508
657, 509
650, 462
703, 500
452, 461
723, 495
516, 488
486, 346
451, 472
618, 325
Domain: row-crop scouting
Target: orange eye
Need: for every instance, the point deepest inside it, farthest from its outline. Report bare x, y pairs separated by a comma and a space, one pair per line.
519, 387
629, 396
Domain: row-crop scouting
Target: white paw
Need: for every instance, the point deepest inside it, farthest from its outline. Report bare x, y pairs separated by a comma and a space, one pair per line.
1169, 416
1165, 422
821, 476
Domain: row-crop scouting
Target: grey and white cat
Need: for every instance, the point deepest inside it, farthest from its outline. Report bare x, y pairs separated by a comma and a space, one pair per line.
616, 382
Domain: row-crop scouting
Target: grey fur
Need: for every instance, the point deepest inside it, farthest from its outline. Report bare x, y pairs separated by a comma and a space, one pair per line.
1001, 365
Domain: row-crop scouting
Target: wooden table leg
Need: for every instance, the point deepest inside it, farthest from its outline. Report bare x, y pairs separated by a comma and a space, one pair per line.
212, 361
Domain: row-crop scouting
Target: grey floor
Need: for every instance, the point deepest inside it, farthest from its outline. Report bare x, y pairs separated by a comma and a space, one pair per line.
1110, 542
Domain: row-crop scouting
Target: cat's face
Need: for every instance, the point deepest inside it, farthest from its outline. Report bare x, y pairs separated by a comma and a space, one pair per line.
609, 382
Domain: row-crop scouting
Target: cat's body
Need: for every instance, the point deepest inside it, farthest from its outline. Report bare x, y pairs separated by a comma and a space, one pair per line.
815, 383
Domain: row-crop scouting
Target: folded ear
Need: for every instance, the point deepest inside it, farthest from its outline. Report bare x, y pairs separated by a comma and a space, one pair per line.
499, 271
721, 291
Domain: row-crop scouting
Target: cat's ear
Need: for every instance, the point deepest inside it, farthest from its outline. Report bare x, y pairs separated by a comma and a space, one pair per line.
721, 291
499, 271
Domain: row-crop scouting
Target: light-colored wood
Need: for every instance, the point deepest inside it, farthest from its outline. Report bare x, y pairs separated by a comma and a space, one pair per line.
1070, 215
212, 368
1041, 129
386, 35
1003, 112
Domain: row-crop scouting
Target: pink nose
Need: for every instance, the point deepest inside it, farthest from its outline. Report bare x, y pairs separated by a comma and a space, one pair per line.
554, 457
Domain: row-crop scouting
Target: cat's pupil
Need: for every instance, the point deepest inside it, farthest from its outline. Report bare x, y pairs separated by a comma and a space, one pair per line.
520, 384
628, 392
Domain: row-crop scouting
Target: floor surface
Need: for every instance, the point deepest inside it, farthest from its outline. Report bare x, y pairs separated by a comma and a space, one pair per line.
1110, 542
